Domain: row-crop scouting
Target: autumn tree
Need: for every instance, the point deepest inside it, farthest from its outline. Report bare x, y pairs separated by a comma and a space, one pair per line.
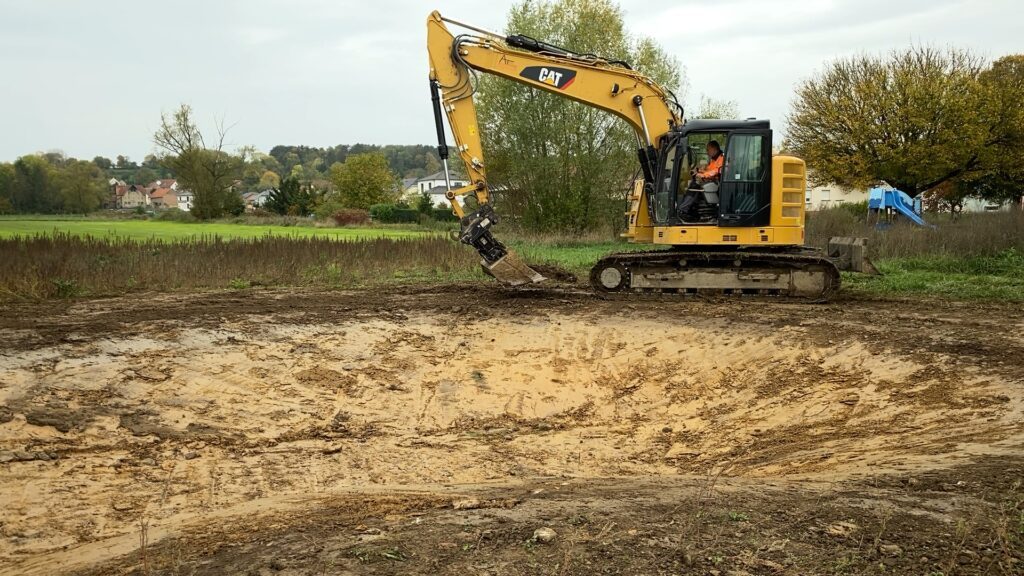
914, 118
363, 180
269, 179
81, 187
563, 165
1003, 177
207, 170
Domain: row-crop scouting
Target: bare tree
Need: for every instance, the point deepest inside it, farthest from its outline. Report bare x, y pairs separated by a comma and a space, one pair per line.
208, 171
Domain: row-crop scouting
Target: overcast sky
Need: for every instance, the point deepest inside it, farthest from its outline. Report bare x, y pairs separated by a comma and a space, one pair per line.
91, 78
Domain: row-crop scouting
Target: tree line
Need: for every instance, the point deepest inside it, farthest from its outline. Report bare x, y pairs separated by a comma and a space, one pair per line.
320, 180
51, 183
202, 165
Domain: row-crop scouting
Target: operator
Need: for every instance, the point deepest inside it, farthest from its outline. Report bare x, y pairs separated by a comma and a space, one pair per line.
707, 179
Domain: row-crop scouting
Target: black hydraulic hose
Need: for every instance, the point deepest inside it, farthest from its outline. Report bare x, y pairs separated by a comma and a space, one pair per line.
524, 42
533, 45
435, 97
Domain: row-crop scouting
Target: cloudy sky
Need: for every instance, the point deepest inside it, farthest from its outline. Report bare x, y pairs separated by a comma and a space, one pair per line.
91, 78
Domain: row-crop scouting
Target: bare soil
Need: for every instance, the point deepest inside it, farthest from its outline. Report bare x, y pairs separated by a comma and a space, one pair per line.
434, 430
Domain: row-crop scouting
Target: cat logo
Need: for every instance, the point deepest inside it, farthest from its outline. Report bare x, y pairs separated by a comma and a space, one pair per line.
560, 78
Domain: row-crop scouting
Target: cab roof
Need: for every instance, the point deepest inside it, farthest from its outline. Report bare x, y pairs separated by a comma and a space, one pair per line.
723, 125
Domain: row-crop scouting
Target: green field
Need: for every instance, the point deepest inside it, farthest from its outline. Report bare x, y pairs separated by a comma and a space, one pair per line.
108, 256
150, 229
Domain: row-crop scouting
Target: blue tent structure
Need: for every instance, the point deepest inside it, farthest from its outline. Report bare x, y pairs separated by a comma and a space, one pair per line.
889, 200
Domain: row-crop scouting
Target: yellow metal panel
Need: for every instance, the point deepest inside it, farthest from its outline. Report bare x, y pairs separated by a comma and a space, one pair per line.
716, 236
789, 185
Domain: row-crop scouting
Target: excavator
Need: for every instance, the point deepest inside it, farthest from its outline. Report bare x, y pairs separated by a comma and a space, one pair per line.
745, 235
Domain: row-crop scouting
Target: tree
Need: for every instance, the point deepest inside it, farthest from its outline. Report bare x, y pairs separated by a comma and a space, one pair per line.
207, 171
424, 205
914, 119
32, 190
102, 163
364, 180
1003, 179
6, 188
81, 187
565, 166
269, 179
280, 199
950, 196
151, 161
715, 109
144, 176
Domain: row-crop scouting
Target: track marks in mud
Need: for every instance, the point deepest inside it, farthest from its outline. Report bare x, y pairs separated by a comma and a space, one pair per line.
175, 424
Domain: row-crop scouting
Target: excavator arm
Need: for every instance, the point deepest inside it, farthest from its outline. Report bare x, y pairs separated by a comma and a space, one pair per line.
608, 85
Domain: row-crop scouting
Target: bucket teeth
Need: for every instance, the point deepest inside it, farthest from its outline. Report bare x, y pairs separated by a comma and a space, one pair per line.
511, 270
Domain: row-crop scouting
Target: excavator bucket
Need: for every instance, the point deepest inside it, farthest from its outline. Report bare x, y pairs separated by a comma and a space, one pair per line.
511, 270
851, 254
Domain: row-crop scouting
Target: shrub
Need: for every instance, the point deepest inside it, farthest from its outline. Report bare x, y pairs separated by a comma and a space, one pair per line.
392, 214
327, 207
175, 215
858, 209
443, 215
351, 216
65, 288
402, 214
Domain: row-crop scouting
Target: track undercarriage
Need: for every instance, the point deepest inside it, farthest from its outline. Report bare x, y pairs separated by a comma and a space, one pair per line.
799, 273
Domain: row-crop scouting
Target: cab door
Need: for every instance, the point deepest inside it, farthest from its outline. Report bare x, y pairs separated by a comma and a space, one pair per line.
671, 162
745, 186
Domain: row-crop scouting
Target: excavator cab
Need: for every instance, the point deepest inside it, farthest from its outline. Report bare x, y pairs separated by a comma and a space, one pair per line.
743, 198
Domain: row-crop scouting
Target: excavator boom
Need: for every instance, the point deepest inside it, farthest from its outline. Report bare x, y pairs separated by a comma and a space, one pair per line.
609, 85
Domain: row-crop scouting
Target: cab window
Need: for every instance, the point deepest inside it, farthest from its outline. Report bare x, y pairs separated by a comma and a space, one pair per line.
663, 198
699, 146
745, 158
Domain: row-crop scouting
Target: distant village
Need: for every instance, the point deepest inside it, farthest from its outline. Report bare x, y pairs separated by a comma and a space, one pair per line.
164, 194
167, 193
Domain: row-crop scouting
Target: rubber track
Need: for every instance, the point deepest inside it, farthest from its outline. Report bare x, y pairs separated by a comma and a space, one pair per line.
788, 260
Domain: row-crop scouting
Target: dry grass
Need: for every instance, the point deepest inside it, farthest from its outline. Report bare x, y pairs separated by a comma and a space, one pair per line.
985, 234
977, 256
64, 265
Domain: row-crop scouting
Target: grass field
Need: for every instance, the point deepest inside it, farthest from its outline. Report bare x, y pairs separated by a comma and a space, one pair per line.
998, 277
974, 259
152, 229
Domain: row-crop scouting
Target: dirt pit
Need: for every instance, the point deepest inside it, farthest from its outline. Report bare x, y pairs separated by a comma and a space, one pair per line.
435, 431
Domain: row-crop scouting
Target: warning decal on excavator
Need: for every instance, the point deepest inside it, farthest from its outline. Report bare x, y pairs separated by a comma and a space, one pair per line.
560, 78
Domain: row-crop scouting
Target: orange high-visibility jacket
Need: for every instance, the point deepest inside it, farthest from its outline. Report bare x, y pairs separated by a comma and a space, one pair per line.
714, 168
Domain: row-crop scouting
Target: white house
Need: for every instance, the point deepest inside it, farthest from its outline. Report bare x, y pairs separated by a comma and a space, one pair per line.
831, 195
185, 199
436, 180
254, 200
438, 198
170, 183
432, 185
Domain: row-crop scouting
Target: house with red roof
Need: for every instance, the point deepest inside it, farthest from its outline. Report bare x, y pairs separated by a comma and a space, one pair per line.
131, 196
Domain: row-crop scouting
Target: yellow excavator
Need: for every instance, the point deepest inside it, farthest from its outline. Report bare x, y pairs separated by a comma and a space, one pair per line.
744, 234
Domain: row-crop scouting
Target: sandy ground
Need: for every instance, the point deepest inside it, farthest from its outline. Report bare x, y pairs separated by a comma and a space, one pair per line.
426, 431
